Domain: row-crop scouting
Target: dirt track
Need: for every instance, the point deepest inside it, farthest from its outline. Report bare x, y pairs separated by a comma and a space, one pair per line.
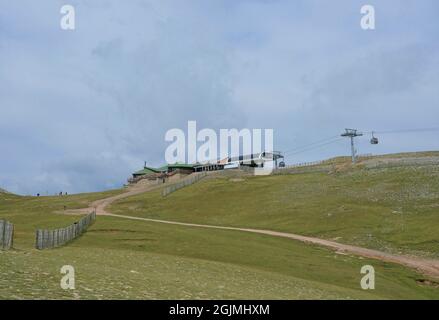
426, 266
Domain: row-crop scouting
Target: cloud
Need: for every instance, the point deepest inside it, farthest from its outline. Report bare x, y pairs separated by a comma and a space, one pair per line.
81, 110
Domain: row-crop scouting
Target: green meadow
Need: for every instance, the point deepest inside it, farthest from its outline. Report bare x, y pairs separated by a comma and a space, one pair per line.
395, 210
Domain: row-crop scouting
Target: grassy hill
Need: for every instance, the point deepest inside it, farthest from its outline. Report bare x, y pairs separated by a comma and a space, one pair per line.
390, 209
4, 191
394, 209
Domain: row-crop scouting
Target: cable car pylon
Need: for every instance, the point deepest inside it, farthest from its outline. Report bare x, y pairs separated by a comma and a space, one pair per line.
352, 133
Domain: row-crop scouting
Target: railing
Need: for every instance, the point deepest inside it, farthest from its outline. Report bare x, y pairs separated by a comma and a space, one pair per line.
48, 239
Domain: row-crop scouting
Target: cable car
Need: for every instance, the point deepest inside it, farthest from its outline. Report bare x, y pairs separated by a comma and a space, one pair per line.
281, 164
374, 140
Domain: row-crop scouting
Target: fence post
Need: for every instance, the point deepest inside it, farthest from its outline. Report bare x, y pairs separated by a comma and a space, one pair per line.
47, 239
6, 234
11, 235
50, 239
56, 238
36, 239
53, 238
69, 233
43, 241
39, 239
63, 236
2, 233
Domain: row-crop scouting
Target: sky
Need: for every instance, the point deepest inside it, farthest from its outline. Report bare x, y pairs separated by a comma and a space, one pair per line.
80, 110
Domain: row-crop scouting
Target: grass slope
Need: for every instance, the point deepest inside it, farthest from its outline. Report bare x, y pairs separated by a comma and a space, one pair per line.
394, 209
123, 259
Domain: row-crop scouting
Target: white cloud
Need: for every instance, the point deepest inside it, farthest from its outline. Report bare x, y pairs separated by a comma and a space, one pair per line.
81, 110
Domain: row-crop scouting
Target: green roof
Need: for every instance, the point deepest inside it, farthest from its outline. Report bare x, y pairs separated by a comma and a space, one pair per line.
148, 170
181, 165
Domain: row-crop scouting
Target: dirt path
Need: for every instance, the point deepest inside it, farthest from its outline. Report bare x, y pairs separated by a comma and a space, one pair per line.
100, 205
427, 266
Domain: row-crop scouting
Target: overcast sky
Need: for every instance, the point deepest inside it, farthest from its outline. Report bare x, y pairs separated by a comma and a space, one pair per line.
80, 110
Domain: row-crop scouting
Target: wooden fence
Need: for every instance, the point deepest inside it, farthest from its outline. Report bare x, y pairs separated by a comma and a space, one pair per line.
185, 182
6, 235
48, 239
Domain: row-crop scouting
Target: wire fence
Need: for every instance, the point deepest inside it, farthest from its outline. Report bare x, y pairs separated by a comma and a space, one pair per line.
48, 239
302, 164
304, 169
185, 182
6, 235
